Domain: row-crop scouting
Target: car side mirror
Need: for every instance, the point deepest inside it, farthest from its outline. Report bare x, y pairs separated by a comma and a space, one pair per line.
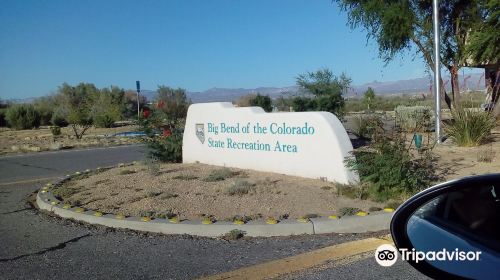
452, 230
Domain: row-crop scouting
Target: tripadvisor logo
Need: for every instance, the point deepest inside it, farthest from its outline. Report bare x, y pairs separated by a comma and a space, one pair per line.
387, 255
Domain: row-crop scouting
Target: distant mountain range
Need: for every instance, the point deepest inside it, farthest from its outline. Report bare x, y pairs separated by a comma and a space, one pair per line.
411, 86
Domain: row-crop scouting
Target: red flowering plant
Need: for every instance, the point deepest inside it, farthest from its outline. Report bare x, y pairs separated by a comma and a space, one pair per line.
164, 124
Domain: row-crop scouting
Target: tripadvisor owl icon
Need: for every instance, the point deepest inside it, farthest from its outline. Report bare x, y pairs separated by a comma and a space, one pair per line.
386, 255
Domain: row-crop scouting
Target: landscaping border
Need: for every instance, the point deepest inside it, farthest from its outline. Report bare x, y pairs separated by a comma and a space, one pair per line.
362, 222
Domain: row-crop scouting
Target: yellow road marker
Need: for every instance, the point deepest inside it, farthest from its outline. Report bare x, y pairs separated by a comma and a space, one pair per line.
303, 261
239, 222
98, 214
66, 206
207, 221
389, 209
333, 217
361, 214
145, 219
174, 220
271, 221
302, 220
120, 217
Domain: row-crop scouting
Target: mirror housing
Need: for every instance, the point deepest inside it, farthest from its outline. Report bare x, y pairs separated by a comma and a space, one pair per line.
419, 202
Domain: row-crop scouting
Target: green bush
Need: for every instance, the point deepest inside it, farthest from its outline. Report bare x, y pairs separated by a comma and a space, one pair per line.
469, 127
163, 124
368, 126
104, 120
22, 116
55, 130
234, 234
3, 121
263, 101
415, 118
167, 148
328, 103
58, 119
391, 170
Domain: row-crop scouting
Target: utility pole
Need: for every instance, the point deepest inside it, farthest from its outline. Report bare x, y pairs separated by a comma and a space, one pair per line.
138, 85
437, 69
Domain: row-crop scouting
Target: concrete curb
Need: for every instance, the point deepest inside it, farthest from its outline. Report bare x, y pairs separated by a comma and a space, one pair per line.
374, 222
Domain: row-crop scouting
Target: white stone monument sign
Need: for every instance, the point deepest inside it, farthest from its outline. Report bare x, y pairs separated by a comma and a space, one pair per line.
307, 144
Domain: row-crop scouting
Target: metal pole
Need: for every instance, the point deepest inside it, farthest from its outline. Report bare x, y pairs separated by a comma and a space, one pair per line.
138, 86
138, 112
437, 70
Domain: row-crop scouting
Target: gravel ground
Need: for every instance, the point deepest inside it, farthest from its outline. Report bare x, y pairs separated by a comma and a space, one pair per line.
183, 189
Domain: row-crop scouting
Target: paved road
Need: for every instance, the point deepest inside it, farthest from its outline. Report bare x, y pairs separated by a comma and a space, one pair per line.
36, 245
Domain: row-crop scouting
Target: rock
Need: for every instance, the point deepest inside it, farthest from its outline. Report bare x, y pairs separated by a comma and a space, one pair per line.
15, 148
56, 146
27, 138
35, 149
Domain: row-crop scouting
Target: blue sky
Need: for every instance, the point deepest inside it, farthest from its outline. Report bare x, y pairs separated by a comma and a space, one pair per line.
181, 43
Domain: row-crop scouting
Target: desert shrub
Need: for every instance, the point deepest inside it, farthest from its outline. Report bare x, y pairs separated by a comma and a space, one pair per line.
126, 172
185, 177
240, 187
368, 126
219, 175
328, 103
486, 154
58, 119
351, 191
263, 101
234, 234
163, 125
3, 121
390, 169
302, 104
104, 120
348, 211
55, 130
153, 166
414, 118
63, 192
152, 194
168, 195
469, 127
22, 116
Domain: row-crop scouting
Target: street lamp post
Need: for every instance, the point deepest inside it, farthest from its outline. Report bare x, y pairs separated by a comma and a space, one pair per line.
138, 85
437, 69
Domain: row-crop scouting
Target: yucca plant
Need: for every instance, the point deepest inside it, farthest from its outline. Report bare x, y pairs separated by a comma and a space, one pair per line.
469, 127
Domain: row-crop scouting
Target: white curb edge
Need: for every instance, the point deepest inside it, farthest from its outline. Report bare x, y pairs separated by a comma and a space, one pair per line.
375, 221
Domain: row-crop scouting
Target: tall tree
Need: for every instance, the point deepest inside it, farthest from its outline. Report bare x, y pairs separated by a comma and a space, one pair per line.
327, 90
400, 26
78, 103
484, 42
369, 97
